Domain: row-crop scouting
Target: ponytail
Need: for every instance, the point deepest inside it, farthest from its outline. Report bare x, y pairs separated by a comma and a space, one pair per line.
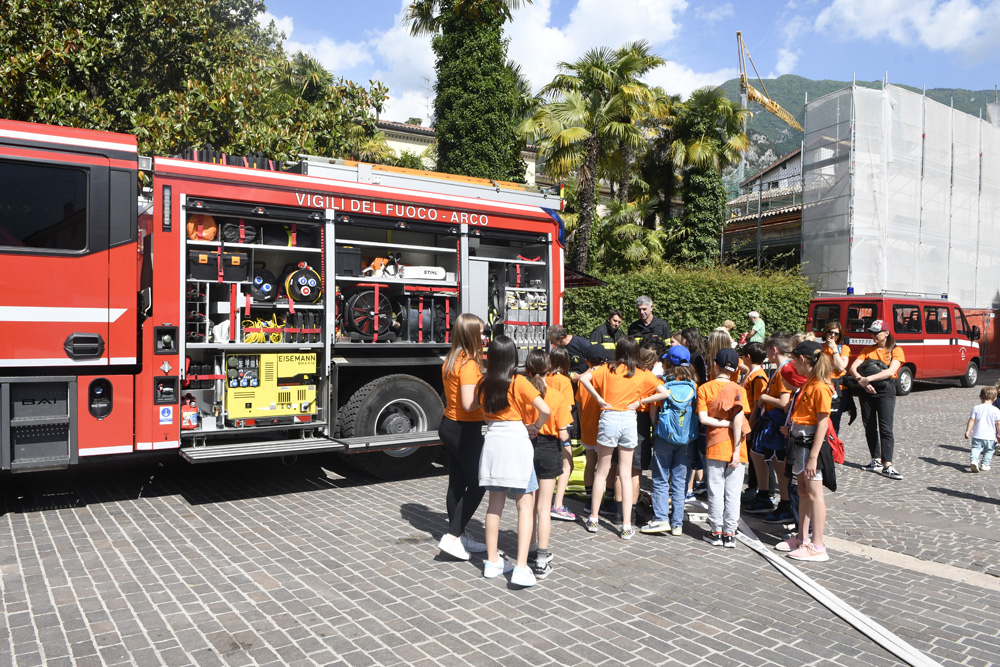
536, 365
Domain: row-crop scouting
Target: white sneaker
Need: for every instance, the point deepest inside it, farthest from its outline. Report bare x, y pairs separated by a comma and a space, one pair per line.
452, 546
471, 545
494, 570
523, 576
984, 468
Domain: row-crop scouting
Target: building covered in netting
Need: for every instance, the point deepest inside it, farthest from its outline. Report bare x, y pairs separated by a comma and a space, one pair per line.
901, 194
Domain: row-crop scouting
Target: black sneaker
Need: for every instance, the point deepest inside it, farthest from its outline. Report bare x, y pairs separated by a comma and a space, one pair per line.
783, 514
729, 541
760, 505
541, 571
891, 472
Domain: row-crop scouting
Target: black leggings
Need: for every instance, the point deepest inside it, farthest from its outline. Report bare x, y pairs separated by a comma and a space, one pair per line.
463, 442
877, 412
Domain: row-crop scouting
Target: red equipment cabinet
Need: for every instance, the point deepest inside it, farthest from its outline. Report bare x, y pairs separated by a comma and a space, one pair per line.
112, 317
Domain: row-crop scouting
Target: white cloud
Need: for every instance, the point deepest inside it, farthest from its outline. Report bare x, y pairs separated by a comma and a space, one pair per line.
787, 60
714, 14
678, 79
406, 64
951, 25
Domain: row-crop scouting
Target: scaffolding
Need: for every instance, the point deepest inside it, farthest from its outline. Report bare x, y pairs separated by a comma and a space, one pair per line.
901, 194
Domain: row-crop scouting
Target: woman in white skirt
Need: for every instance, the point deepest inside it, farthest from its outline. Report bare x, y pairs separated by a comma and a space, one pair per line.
507, 463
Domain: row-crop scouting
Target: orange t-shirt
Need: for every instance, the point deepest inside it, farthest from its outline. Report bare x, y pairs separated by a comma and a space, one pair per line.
590, 415
619, 390
814, 397
563, 384
520, 396
559, 416
887, 357
465, 371
728, 398
776, 387
755, 384
845, 351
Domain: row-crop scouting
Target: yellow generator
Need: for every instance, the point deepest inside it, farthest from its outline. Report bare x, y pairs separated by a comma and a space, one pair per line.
266, 386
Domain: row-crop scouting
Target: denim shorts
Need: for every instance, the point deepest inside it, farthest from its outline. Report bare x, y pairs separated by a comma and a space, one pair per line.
617, 428
513, 493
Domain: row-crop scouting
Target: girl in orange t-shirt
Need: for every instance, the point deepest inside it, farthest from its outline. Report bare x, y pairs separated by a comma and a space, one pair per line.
461, 432
507, 462
548, 454
558, 378
619, 389
840, 354
807, 427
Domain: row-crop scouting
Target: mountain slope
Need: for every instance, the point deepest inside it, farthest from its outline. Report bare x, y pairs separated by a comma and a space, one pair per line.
771, 137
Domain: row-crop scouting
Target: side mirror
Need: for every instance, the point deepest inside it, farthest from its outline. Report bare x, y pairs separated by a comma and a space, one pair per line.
976, 333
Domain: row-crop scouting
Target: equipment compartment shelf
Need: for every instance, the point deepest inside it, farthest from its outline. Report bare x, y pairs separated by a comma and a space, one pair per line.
398, 281
396, 246
253, 246
254, 347
501, 260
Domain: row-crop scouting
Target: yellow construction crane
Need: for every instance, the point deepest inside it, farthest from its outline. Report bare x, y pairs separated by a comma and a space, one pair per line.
755, 95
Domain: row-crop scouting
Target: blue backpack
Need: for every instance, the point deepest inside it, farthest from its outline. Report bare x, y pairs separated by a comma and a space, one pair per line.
678, 424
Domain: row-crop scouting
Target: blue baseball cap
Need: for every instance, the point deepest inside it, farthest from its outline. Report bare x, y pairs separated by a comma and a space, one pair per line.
678, 355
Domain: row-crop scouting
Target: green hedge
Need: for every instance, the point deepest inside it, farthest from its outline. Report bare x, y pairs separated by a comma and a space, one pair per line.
703, 298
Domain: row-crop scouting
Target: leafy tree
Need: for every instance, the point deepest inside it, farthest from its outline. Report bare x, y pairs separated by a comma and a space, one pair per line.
413, 120
178, 74
596, 101
476, 98
410, 160
709, 136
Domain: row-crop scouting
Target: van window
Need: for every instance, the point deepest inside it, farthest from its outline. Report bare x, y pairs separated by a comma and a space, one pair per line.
906, 319
42, 206
962, 323
823, 313
860, 316
937, 320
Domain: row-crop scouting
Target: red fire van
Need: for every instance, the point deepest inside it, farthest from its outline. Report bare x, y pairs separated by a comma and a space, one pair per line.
934, 334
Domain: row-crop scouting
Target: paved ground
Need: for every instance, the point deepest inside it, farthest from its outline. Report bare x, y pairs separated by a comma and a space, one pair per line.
160, 562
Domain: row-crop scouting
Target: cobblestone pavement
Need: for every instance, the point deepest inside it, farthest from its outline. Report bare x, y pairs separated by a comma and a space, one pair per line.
160, 562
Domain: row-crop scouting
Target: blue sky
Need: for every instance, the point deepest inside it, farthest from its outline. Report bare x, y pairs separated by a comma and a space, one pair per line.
933, 43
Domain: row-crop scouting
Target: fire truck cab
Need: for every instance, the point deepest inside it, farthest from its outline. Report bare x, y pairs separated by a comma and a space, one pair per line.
229, 311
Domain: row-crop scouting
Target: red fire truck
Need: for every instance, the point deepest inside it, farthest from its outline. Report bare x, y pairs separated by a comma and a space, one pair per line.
230, 309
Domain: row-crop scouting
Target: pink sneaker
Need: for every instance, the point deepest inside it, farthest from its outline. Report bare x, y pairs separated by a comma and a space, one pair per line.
562, 513
811, 552
791, 544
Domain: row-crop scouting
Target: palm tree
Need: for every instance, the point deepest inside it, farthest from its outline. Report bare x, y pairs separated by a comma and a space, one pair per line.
596, 101
577, 135
624, 243
709, 136
710, 132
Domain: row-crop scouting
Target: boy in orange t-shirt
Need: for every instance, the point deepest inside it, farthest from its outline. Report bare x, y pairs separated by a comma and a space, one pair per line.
721, 407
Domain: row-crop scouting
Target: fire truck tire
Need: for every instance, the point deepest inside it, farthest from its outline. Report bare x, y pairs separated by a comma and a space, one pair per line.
393, 404
904, 381
971, 376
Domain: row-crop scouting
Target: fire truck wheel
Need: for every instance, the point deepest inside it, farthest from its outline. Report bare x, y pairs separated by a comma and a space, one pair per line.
904, 381
394, 404
971, 376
